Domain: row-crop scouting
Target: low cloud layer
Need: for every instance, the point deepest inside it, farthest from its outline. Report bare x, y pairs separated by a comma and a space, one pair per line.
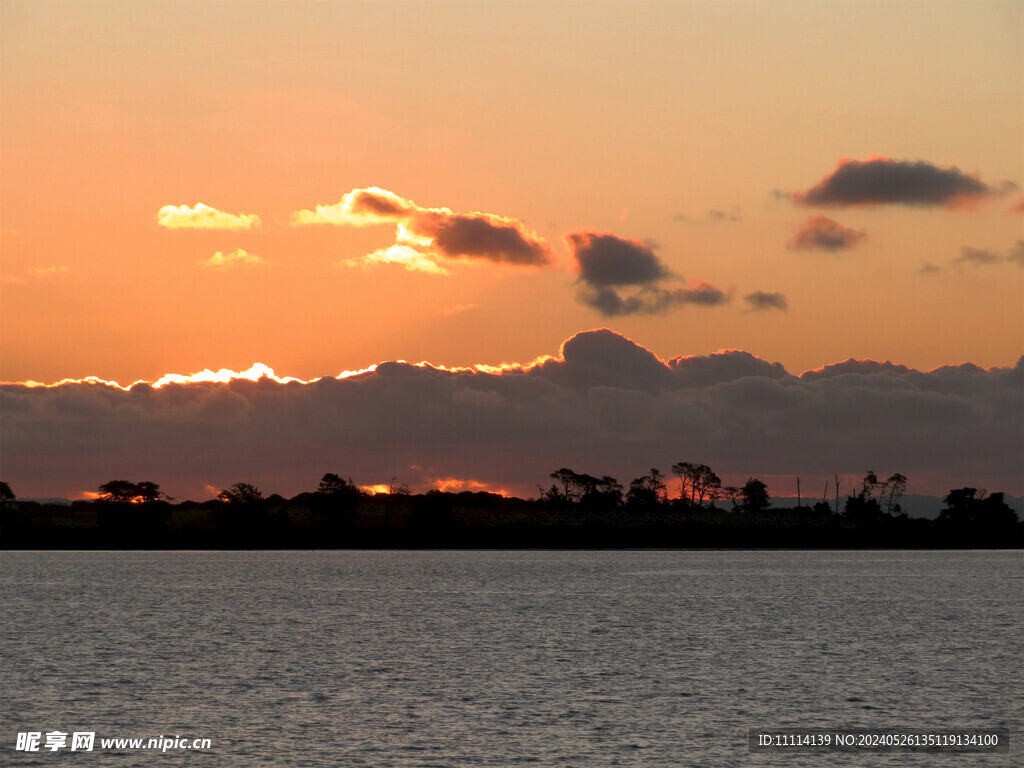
428, 236
603, 405
204, 217
621, 276
822, 233
881, 180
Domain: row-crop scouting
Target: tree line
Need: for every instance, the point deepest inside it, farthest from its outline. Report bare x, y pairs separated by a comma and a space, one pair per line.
576, 509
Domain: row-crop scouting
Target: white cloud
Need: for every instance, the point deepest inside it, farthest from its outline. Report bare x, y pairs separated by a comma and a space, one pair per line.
403, 255
236, 258
204, 217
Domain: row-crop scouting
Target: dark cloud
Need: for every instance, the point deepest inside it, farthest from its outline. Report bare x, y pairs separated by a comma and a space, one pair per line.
881, 180
822, 233
607, 264
607, 260
380, 204
720, 367
986, 257
727, 216
605, 405
929, 269
650, 300
480, 235
762, 300
970, 255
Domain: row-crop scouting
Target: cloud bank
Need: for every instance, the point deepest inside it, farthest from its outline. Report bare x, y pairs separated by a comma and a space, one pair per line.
881, 180
603, 405
204, 217
424, 237
621, 276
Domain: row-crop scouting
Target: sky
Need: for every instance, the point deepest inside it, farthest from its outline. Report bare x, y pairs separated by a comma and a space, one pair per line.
321, 188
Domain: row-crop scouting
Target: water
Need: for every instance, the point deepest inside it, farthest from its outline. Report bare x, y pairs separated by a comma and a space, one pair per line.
474, 659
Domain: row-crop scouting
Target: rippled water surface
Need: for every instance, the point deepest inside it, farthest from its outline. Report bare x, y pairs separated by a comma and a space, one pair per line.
471, 659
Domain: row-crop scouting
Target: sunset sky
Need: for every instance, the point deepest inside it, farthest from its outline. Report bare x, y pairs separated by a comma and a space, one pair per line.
322, 187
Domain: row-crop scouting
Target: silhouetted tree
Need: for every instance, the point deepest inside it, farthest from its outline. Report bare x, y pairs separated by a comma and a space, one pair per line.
607, 493
147, 492
734, 494
822, 508
697, 482
647, 490
118, 491
573, 486
336, 488
6, 494
863, 508
869, 484
897, 485
755, 495
241, 493
969, 511
552, 495
595, 493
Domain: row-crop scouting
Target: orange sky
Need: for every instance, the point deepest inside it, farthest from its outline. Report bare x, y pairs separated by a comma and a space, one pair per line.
677, 124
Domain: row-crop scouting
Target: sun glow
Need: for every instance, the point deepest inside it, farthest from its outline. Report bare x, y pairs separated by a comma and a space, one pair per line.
224, 375
259, 371
459, 484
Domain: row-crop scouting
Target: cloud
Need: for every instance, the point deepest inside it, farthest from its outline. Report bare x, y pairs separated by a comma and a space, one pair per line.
409, 258
986, 257
929, 269
759, 301
478, 235
1016, 254
715, 215
620, 276
360, 207
204, 217
822, 233
881, 180
603, 405
609, 260
237, 258
731, 217
436, 234
977, 256
36, 273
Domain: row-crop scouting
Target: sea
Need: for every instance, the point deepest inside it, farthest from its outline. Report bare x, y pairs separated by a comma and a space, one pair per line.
468, 659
